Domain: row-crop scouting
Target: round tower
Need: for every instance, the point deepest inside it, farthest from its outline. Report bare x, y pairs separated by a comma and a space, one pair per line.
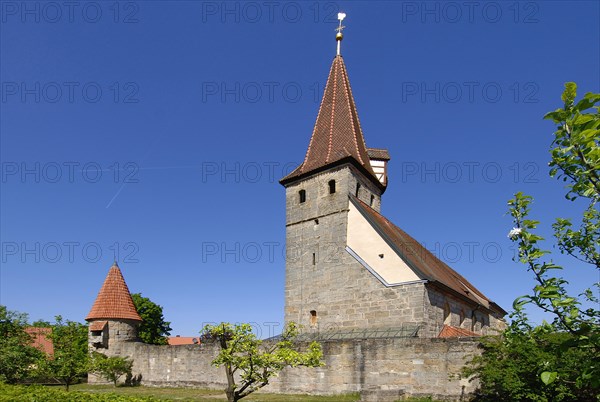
113, 318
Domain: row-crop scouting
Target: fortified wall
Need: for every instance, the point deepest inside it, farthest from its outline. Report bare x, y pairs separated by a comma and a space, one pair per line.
379, 369
381, 364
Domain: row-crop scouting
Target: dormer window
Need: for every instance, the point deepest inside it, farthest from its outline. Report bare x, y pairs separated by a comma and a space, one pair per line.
99, 334
302, 195
331, 186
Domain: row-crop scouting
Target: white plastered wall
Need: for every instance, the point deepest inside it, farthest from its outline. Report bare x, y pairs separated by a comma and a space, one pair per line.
367, 244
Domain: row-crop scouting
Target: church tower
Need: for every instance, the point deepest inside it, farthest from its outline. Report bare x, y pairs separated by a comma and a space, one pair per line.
348, 268
337, 163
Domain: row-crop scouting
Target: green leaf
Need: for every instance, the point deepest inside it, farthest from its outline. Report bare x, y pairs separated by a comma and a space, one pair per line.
583, 118
548, 377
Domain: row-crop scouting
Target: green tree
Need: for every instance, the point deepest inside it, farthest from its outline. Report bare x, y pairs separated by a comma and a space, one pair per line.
153, 329
70, 360
558, 360
41, 324
511, 366
111, 368
253, 361
18, 359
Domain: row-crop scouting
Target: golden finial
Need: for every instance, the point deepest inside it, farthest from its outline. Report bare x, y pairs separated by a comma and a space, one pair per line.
339, 36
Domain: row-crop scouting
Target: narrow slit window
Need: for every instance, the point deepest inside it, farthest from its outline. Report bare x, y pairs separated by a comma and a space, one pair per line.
314, 259
331, 186
302, 194
313, 318
372, 200
357, 189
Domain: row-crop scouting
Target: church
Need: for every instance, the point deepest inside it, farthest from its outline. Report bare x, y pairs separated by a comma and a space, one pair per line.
393, 318
348, 267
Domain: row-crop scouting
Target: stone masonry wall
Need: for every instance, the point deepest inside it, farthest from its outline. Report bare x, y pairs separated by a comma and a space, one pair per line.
321, 276
415, 366
462, 314
175, 365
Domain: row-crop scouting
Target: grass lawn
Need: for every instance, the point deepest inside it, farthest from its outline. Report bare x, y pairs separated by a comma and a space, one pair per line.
191, 394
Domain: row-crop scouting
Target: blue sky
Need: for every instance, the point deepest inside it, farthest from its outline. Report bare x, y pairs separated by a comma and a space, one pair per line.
158, 130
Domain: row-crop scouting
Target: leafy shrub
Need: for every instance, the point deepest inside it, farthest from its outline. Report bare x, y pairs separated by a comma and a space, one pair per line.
37, 393
111, 368
510, 368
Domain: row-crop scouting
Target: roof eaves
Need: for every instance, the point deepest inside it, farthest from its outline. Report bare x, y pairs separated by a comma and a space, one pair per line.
378, 154
349, 160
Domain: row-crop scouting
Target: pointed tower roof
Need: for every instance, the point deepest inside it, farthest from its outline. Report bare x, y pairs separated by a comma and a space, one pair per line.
114, 300
337, 136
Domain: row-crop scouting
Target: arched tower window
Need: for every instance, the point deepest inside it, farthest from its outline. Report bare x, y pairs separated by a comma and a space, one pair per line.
331, 186
302, 195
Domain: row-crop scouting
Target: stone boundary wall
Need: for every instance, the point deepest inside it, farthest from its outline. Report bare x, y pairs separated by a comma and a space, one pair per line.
410, 366
173, 365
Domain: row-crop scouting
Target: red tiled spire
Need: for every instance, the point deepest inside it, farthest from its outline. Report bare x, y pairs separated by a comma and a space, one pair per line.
337, 135
114, 300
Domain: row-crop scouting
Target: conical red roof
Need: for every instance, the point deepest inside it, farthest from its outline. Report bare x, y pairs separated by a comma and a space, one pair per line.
337, 135
114, 300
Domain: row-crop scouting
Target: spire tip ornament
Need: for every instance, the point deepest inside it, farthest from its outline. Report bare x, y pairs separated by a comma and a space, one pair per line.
339, 36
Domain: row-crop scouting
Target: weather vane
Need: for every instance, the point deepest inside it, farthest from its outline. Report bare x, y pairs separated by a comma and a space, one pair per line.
339, 36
